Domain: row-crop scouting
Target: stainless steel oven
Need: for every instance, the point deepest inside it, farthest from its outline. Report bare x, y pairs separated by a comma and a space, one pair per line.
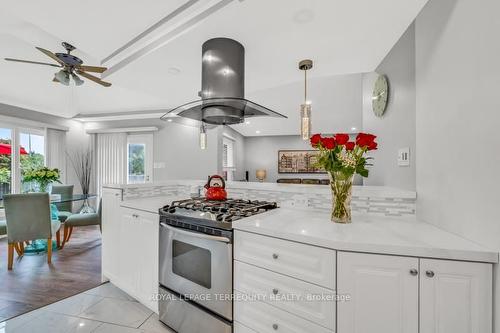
195, 275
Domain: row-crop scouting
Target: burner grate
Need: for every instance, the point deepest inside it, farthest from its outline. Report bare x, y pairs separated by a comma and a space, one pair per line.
223, 211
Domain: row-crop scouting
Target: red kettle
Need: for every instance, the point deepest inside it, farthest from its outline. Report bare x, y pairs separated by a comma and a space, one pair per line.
216, 188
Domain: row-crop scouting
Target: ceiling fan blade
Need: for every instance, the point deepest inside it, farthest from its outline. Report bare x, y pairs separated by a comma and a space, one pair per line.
32, 62
93, 78
50, 54
94, 69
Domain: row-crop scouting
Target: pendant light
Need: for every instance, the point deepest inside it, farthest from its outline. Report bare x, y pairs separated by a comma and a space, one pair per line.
305, 108
203, 137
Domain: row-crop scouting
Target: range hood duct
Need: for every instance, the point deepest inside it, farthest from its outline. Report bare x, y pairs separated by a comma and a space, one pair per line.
222, 87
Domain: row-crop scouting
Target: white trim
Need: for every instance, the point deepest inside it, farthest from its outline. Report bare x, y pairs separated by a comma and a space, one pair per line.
122, 130
152, 39
129, 116
24, 123
228, 136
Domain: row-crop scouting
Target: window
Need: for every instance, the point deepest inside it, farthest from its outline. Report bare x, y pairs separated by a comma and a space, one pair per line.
228, 158
32, 155
20, 150
139, 159
5, 161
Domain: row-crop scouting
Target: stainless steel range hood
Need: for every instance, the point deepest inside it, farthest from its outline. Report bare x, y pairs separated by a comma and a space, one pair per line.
222, 87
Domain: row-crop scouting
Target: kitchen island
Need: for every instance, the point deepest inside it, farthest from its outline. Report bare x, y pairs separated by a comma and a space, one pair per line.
390, 258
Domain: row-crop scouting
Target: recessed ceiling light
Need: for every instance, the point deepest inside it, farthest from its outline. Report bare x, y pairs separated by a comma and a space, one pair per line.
303, 16
174, 70
169, 120
247, 122
257, 132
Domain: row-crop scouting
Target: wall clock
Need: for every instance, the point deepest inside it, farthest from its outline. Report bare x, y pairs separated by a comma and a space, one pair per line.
380, 95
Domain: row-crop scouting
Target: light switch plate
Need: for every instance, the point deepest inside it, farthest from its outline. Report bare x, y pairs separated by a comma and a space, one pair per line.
404, 156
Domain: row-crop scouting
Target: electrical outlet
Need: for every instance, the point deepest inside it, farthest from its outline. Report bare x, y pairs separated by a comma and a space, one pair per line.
404, 156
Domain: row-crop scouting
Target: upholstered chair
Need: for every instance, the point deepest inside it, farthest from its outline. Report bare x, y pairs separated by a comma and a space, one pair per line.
28, 218
65, 208
81, 220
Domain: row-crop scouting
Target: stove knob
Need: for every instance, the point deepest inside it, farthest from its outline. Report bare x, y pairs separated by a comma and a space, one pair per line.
275, 291
275, 256
275, 327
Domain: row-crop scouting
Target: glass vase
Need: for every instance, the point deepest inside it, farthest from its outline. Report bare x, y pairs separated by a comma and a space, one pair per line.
341, 186
44, 186
86, 208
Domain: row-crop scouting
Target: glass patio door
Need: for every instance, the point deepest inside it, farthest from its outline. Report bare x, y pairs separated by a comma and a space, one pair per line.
5, 161
139, 158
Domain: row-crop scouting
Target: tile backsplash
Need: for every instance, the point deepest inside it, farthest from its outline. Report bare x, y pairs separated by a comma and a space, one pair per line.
376, 204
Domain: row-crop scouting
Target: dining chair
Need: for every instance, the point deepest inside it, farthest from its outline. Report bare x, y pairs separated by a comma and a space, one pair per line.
3, 227
81, 220
65, 208
28, 218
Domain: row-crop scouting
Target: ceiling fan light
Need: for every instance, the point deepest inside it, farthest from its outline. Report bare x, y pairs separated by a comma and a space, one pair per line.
62, 77
78, 81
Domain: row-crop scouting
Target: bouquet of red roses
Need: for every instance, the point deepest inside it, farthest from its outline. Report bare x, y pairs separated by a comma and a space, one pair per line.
339, 155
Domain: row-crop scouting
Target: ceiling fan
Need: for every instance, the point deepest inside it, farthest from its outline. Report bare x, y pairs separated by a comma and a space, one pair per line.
70, 67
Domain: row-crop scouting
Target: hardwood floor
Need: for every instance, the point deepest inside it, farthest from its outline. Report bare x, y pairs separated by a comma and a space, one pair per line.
33, 283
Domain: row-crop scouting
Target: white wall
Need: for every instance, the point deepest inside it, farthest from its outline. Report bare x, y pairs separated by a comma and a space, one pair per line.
177, 146
262, 153
396, 129
336, 105
458, 83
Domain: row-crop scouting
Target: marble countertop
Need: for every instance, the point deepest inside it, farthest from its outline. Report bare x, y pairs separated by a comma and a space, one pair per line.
367, 233
372, 234
150, 204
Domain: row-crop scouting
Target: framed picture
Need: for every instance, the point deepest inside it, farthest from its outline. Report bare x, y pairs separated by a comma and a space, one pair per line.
298, 161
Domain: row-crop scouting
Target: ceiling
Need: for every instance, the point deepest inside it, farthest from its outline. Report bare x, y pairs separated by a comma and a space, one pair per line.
341, 36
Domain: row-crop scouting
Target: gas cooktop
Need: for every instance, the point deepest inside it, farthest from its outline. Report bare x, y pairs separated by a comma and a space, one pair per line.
216, 214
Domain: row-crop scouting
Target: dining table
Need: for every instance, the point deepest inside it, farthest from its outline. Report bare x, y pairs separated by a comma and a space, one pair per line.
40, 245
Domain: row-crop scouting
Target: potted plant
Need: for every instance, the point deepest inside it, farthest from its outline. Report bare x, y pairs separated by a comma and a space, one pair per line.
4, 180
43, 177
342, 159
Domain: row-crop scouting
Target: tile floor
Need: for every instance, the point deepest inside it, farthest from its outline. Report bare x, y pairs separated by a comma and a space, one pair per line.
105, 309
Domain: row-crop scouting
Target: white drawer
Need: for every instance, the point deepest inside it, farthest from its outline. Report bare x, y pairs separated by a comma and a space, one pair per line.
265, 318
306, 300
309, 263
240, 328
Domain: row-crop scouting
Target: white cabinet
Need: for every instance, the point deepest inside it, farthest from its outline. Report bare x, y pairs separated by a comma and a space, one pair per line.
383, 293
303, 299
138, 258
455, 297
264, 318
147, 250
309, 263
387, 293
130, 249
282, 286
111, 199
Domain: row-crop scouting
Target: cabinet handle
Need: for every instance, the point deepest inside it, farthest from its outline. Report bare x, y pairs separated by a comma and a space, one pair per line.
275, 291
413, 272
275, 256
275, 327
429, 274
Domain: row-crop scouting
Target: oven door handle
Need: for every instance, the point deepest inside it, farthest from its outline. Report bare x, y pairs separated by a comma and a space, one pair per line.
195, 234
